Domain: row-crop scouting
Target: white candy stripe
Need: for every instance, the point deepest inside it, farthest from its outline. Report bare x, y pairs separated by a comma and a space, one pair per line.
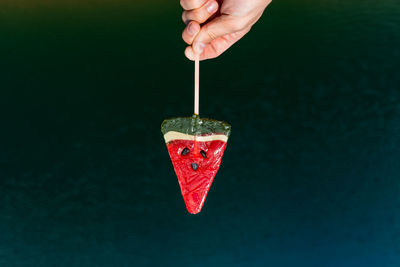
172, 135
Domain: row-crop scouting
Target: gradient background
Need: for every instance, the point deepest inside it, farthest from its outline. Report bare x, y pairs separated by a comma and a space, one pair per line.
310, 177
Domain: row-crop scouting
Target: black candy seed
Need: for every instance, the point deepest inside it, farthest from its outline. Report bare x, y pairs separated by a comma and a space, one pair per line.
203, 153
185, 151
194, 166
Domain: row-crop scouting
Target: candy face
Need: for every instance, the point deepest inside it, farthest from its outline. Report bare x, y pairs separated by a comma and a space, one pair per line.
196, 147
195, 173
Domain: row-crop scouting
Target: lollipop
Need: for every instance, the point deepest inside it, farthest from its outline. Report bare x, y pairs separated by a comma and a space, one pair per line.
195, 146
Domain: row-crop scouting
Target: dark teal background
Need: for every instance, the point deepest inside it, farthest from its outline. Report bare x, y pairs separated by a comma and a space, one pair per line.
311, 174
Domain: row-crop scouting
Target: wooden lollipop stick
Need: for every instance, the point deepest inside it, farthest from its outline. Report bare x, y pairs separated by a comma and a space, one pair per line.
196, 85
196, 97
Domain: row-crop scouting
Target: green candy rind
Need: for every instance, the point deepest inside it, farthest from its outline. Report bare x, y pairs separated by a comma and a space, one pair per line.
195, 126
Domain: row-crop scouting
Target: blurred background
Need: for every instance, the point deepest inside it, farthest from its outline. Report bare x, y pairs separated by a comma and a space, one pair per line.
311, 174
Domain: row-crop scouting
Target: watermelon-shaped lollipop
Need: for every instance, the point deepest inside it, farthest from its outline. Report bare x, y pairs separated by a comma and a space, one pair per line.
196, 147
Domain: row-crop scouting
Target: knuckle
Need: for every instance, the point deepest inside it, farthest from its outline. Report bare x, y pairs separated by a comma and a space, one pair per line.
188, 16
185, 4
219, 48
202, 15
184, 17
196, 15
239, 25
201, 2
195, 3
191, 4
185, 37
210, 33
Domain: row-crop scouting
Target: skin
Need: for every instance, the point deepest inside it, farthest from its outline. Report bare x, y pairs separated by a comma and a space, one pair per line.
212, 26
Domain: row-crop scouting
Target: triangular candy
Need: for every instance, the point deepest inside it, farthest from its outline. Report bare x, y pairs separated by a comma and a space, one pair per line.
196, 147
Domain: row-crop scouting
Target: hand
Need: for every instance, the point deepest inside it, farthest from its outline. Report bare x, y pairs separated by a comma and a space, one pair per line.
225, 22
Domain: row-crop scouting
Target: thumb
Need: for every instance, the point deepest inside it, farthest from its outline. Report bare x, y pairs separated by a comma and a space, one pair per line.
218, 27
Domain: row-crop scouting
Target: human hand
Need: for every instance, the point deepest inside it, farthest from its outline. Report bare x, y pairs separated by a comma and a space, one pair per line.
225, 22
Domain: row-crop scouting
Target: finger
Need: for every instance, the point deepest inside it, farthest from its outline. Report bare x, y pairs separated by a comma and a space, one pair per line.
201, 14
218, 27
192, 4
217, 46
190, 32
189, 53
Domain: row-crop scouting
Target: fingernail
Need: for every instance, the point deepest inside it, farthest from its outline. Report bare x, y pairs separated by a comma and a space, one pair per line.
198, 47
191, 29
212, 7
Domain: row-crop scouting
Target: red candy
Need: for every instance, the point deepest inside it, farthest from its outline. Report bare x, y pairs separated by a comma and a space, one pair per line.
195, 181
